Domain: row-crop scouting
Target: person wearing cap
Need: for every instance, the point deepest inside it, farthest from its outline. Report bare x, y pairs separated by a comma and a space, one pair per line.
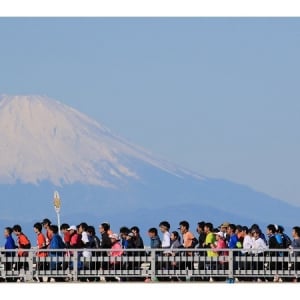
220, 244
66, 233
219, 247
75, 241
223, 227
116, 251
46, 224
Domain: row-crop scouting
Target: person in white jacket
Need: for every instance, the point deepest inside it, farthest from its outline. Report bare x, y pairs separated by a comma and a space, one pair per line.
258, 248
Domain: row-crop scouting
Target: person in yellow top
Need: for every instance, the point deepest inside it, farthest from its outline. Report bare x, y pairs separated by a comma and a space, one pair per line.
210, 239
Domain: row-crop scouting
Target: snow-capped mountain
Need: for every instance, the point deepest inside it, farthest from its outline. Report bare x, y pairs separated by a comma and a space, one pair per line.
46, 146
43, 139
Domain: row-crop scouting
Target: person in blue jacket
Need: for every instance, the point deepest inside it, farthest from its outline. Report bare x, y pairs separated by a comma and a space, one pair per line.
55, 243
9, 245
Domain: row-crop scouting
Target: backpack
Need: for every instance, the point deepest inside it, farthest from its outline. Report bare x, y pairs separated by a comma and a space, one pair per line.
194, 243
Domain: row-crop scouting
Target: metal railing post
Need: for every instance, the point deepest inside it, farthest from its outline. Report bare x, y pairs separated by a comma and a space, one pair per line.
75, 265
230, 266
29, 259
153, 264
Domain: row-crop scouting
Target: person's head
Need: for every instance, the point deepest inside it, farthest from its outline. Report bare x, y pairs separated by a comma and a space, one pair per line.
175, 236
104, 227
224, 227
208, 227
219, 235
124, 231
64, 227
200, 227
296, 232
164, 226
231, 229
46, 223
271, 229
53, 229
37, 227
135, 230
113, 238
7, 231
280, 229
91, 230
82, 227
245, 230
256, 233
72, 229
152, 232
17, 229
184, 226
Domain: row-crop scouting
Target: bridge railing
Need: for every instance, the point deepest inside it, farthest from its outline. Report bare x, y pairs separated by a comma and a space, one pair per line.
154, 264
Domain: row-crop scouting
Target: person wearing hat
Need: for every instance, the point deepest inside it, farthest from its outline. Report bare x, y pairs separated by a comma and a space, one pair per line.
75, 240
116, 251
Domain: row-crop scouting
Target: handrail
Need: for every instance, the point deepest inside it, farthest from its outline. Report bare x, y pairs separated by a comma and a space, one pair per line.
139, 264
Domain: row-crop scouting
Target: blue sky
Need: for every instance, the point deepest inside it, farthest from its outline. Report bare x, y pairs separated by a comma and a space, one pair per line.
219, 96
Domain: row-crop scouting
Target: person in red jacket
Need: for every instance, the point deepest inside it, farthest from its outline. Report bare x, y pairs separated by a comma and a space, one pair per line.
22, 244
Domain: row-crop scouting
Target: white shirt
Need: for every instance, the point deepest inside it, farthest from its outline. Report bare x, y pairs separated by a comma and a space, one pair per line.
166, 241
259, 246
85, 240
247, 244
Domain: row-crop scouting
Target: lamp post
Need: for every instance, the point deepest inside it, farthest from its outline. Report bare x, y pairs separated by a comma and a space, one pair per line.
57, 204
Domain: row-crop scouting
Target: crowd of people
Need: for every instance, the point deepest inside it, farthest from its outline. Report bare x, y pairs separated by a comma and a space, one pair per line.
250, 240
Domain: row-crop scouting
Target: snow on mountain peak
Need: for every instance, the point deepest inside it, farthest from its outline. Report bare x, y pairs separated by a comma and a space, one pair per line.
43, 139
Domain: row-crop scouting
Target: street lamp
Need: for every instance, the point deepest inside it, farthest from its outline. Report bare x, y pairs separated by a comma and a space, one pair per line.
57, 204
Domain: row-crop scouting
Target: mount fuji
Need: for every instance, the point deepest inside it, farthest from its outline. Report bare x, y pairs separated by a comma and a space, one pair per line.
47, 146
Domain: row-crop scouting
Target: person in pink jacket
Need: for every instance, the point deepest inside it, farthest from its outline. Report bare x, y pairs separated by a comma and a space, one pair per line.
116, 251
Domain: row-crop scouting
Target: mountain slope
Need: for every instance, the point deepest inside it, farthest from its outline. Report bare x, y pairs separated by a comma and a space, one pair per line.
46, 146
43, 139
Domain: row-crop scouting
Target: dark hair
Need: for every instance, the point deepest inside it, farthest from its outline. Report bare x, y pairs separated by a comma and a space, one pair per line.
124, 230
239, 228
135, 228
153, 230
84, 226
185, 224
176, 234
297, 230
246, 229
54, 228
91, 230
38, 226
280, 229
272, 228
46, 221
201, 225
209, 225
232, 227
17, 228
64, 226
165, 224
105, 226
9, 230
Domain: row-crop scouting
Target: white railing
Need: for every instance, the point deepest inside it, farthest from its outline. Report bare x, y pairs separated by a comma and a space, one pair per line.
154, 264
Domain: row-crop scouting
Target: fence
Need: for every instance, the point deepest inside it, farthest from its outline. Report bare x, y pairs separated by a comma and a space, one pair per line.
154, 264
